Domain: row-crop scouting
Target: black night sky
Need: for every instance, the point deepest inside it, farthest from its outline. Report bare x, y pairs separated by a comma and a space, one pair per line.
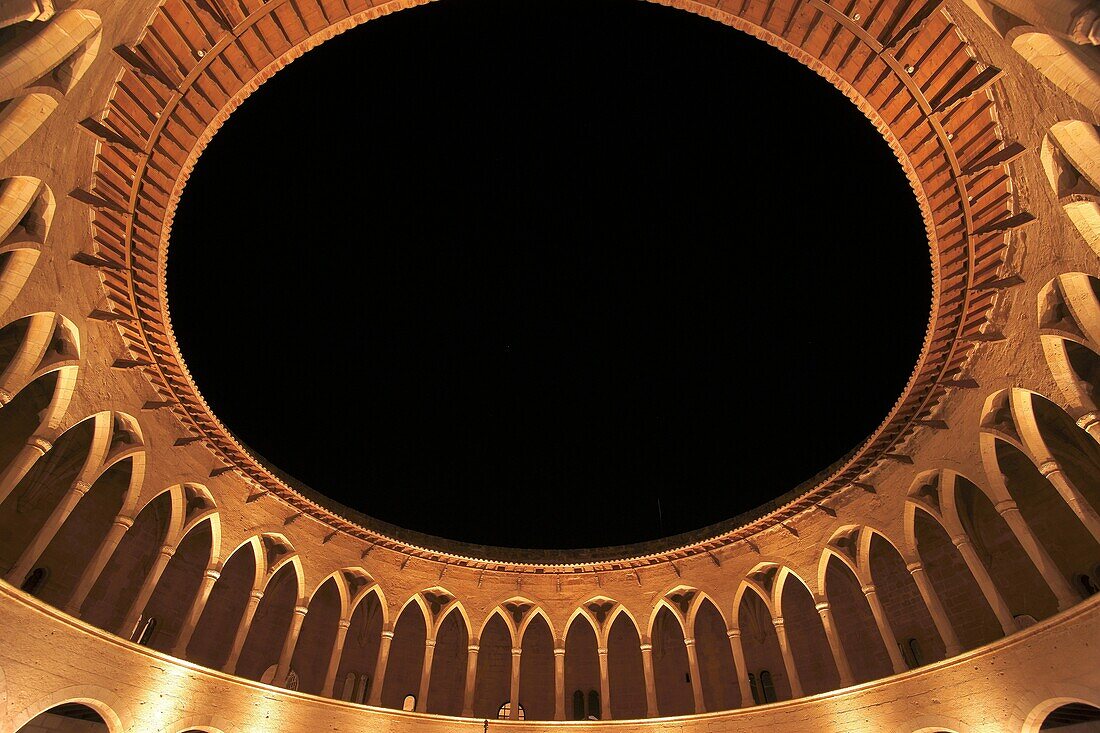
515, 272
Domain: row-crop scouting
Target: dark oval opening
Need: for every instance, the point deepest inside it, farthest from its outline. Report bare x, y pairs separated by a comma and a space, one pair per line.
549, 274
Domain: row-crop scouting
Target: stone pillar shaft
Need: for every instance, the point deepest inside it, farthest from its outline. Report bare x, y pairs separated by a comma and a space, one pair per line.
839, 657
380, 668
652, 710
884, 630
337, 653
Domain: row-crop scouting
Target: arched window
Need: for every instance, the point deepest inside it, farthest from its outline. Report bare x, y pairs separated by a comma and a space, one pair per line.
914, 653
578, 705
348, 692
506, 711
361, 689
766, 687
35, 580
1088, 588
755, 690
292, 680
593, 705
409, 704
145, 631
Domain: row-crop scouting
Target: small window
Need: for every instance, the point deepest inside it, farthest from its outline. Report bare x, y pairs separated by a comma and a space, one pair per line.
915, 654
292, 680
409, 704
505, 712
578, 705
767, 688
362, 687
754, 689
35, 580
1086, 586
593, 705
348, 692
145, 633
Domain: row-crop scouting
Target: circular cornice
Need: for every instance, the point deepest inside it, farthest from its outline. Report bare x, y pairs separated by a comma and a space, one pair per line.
910, 72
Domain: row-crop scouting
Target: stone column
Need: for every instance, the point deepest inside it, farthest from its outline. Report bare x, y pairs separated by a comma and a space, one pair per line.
884, 630
286, 654
559, 683
380, 668
133, 613
243, 626
425, 676
1072, 496
935, 608
471, 681
985, 583
27, 456
95, 566
33, 551
651, 708
329, 687
742, 669
513, 690
605, 685
788, 657
1038, 554
198, 604
839, 657
693, 669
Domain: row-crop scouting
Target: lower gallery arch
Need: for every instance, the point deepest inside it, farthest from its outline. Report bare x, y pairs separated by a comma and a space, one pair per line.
717, 673
763, 656
82, 717
537, 682
626, 673
448, 676
671, 669
213, 636
1072, 548
39, 492
494, 669
73, 544
582, 669
314, 648
908, 617
128, 565
178, 587
1016, 577
406, 658
813, 658
855, 623
355, 675
269, 625
966, 607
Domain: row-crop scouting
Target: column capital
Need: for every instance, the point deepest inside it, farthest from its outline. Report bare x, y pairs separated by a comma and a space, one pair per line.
1006, 506
602, 651
212, 574
516, 651
81, 487
1087, 420
734, 633
301, 610
915, 567
429, 643
646, 647
256, 595
40, 443
867, 589
822, 606
689, 641
960, 540
387, 634
473, 648
1048, 467
344, 624
777, 621
124, 522
168, 551
559, 651
5, 397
